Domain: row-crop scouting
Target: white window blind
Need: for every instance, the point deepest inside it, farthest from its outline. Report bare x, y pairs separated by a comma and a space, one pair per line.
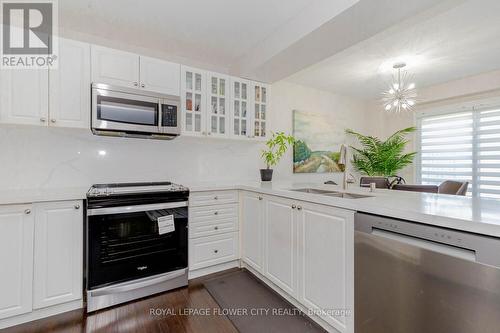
446, 148
488, 153
463, 146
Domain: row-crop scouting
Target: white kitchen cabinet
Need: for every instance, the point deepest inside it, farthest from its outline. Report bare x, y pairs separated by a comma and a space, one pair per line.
115, 67
252, 230
193, 100
281, 243
24, 96
58, 261
218, 98
160, 76
16, 259
69, 94
240, 108
213, 250
261, 106
326, 259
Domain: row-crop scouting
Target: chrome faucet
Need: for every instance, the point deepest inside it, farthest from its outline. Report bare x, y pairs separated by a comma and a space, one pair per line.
343, 164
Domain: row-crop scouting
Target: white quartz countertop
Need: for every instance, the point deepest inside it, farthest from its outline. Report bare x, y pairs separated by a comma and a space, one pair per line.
480, 216
23, 196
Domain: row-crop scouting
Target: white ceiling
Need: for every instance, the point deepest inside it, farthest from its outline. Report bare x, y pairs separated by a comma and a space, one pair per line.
216, 32
461, 41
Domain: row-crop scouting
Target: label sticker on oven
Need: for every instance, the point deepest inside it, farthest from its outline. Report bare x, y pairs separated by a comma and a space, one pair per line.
166, 224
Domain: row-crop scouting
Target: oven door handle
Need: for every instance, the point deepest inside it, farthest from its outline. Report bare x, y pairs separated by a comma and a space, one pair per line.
135, 208
138, 284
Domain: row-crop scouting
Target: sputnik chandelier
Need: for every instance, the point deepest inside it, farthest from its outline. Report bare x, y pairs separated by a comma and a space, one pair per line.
401, 94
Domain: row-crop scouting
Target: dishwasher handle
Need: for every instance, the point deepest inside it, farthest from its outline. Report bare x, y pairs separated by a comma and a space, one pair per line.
486, 249
445, 249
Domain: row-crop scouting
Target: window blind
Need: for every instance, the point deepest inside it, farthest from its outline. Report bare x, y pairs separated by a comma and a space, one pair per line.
463, 146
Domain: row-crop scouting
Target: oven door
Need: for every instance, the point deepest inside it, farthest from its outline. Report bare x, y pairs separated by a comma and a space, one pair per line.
123, 111
127, 243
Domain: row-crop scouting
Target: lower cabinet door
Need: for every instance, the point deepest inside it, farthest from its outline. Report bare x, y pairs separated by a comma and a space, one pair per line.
213, 250
252, 227
326, 263
58, 272
280, 243
16, 260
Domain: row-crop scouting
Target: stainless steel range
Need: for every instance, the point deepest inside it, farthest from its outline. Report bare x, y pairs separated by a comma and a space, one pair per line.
136, 241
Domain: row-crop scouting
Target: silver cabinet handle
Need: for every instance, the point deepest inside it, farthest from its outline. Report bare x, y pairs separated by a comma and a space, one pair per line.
209, 133
27, 211
216, 228
260, 198
53, 121
299, 207
216, 198
216, 251
143, 85
77, 206
136, 84
294, 206
216, 213
43, 119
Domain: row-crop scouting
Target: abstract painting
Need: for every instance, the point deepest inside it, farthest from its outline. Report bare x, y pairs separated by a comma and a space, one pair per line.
317, 145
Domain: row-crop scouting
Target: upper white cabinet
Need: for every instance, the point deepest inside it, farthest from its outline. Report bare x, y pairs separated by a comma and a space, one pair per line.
58, 262
218, 94
115, 67
160, 76
261, 97
193, 100
240, 103
326, 262
69, 97
252, 230
24, 96
16, 260
27, 99
132, 70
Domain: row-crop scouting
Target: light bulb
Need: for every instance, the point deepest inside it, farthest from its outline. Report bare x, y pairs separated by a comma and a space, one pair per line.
388, 107
396, 86
411, 103
391, 91
396, 103
405, 106
411, 86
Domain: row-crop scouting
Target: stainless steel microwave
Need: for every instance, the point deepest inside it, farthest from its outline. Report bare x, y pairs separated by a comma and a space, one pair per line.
119, 111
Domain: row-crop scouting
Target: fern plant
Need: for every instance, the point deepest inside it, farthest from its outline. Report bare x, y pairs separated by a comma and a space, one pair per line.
382, 158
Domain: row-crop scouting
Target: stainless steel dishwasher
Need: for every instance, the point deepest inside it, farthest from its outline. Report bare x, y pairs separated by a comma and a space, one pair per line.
411, 277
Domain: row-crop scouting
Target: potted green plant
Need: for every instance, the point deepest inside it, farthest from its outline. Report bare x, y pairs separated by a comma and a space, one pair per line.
277, 145
382, 158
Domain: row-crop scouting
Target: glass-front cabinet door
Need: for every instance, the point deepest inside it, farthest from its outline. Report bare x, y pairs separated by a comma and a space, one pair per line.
240, 108
218, 94
193, 99
260, 116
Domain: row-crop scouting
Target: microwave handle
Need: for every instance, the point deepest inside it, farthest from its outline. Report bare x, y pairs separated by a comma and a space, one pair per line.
160, 116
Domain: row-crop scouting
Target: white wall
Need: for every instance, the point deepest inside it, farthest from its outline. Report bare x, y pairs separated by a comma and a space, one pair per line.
346, 112
33, 157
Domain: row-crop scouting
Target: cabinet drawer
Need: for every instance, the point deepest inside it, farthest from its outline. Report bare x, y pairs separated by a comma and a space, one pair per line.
212, 198
212, 220
213, 250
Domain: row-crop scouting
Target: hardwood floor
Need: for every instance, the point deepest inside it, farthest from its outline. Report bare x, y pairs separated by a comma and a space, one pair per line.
136, 317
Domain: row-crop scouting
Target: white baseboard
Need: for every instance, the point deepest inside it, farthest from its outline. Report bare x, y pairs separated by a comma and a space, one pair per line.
213, 269
289, 298
41, 313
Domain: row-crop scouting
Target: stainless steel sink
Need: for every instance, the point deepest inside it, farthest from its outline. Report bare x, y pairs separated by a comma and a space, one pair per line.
331, 193
312, 190
347, 195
